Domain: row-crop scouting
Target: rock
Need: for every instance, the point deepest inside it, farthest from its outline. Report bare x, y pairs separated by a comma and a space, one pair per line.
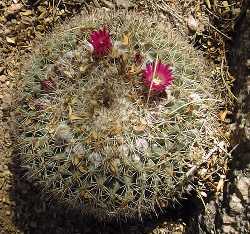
3, 78
192, 23
7, 99
243, 186
235, 204
228, 219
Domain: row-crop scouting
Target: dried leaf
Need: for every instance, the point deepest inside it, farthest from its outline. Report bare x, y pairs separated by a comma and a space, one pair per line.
11, 40
72, 116
139, 128
220, 185
226, 5
114, 53
82, 168
125, 39
113, 168
75, 117
26, 13
223, 115
208, 4
84, 68
116, 129
190, 109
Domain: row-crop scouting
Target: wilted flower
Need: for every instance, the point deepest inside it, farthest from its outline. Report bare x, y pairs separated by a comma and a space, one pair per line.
101, 42
48, 85
157, 78
138, 58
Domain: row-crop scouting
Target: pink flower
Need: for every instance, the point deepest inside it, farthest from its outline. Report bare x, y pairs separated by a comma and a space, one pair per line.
101, 42
157, 78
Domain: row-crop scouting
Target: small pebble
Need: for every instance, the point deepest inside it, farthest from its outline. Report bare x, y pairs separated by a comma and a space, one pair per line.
235, 204
3, 78
243, 185
192, 23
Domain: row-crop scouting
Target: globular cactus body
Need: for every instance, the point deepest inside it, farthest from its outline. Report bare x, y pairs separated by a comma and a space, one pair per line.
96, 135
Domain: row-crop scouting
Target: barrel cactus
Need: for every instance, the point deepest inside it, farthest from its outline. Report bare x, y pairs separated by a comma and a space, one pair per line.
115, 109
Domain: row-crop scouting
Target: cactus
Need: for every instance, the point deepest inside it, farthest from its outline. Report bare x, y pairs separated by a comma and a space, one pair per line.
96, 135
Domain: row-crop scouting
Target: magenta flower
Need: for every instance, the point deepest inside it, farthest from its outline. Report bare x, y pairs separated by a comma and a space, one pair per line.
101, 42
157, 78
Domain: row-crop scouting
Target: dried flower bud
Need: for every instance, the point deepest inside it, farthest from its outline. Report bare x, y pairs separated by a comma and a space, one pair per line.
48, 85
138, 58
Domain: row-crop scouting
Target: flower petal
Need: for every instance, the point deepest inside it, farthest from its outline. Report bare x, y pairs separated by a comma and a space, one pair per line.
101, 42
157, 78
